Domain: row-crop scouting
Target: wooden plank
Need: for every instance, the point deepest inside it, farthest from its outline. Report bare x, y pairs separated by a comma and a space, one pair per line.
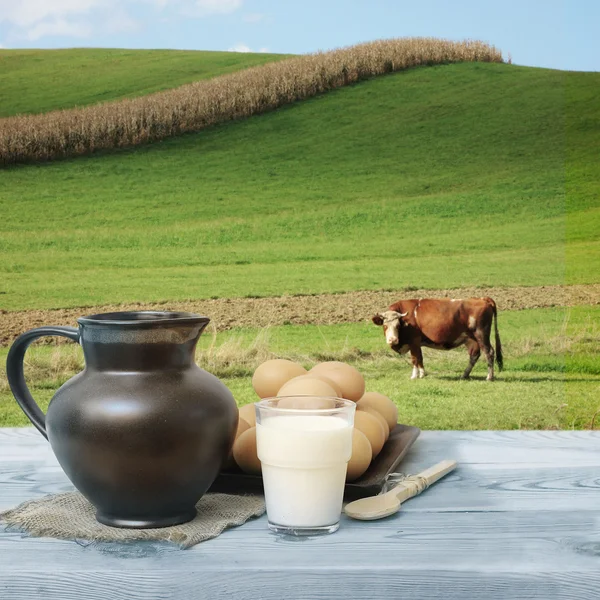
514, 448
468, 489
268, 583
28, 469
506, 448
24, 444
482, 542
519, 518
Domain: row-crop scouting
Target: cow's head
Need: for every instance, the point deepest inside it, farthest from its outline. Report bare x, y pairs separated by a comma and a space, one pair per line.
391, 321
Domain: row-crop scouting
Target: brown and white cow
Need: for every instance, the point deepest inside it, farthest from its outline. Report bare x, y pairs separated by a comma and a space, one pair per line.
442, 324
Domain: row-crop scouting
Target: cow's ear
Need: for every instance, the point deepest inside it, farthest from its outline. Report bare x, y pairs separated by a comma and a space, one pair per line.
377, 319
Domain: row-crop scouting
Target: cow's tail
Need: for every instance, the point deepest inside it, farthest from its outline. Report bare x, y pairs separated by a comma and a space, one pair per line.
499, 357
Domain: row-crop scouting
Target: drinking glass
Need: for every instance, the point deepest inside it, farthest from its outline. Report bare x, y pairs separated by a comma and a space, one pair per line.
304, 444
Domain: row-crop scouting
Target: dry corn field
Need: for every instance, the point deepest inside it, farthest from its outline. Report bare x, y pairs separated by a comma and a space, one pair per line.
192, 107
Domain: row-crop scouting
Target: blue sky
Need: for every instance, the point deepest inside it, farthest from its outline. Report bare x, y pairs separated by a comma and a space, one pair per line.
558, 34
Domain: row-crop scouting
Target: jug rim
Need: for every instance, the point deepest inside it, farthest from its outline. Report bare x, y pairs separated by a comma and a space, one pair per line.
142, 318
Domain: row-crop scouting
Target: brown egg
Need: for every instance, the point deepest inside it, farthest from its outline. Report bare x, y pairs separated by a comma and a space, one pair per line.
248, 413
350, 381
306, 386
244, 452
383, 405
373, 412
361, 455
306, 403
242, 426
272, 374
328, 380
372, 428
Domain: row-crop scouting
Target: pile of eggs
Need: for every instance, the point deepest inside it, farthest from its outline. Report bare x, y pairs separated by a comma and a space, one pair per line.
376, 415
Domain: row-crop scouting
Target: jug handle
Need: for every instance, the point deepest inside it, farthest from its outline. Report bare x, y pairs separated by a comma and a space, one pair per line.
16, 377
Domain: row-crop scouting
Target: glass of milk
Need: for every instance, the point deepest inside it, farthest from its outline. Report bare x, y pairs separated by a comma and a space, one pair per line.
304, 444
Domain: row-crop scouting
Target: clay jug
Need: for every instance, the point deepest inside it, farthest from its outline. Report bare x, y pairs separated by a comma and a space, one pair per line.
141, 432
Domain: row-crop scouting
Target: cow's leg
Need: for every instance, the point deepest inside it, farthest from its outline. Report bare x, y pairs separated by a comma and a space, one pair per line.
416, 355
415, 369
474, 354
483, 339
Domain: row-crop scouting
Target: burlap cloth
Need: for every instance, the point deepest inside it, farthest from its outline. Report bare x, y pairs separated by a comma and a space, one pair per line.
70, 516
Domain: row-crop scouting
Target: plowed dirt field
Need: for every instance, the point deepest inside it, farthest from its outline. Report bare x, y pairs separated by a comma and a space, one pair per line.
322, 309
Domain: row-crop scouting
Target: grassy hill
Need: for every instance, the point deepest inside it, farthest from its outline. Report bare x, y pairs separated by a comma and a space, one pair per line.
34, 81
442, 176
467, 174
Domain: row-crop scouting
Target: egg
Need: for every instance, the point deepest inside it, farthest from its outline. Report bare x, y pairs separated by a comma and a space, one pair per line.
306, 403
248, 413
372, 428
377, 415
242, 426
306, 386
350, 381
361, 455
383, 405
244, 452
272, 374
333, 384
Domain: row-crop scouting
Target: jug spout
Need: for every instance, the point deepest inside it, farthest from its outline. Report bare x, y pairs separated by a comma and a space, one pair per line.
141, 340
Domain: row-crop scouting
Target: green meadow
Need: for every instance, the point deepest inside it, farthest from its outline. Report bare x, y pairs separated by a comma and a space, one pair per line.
468, 174
551, 379
437, 177
34, 81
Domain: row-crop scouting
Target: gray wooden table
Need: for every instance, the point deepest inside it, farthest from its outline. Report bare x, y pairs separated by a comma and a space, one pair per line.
520, 518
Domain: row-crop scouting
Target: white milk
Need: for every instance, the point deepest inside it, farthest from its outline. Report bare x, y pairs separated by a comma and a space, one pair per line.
304, 460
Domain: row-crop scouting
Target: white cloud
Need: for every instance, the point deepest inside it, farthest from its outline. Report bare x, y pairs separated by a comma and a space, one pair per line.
58, 27
243, 48
34, 19
25, 13
239, 48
